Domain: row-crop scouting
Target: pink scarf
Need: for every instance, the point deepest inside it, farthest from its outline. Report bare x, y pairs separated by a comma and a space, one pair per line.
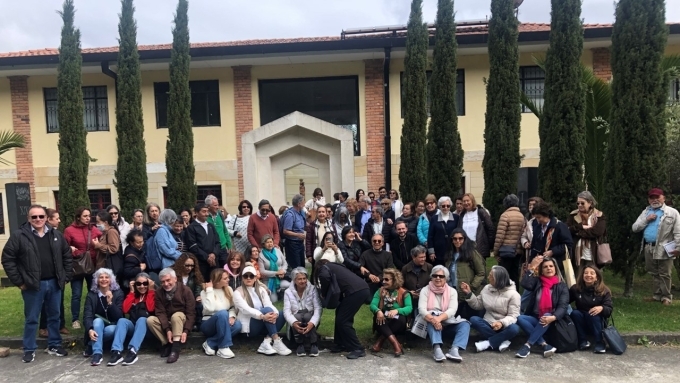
434, 290
545, 306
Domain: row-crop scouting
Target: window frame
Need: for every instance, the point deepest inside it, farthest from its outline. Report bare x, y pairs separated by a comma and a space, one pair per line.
102, 123
522, 84
193, 83
206, 188
460, 92
95, 206
674, 91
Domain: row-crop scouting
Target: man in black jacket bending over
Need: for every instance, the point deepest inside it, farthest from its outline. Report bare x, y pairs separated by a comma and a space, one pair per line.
203, 241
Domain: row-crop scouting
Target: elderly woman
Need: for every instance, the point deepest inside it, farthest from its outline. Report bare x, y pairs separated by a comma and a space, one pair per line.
548, 303
588, 227
388, 214
237, 225
551, 237
341, 219
123, 226
465, 265
139, 304
137, 220
507, 247
437, 307
273, 266
528, 234
257, 314
185, 269
476, 222
236, 262
500, 300
219, 323
593, 306
165, 241
391, 306
438, 236
186, 216
103, 310
302, 310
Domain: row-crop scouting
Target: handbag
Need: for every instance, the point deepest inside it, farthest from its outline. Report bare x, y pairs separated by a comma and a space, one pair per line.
83, 265
616, 343
604, 253
562, 334
569, 275
507, 251
138, 311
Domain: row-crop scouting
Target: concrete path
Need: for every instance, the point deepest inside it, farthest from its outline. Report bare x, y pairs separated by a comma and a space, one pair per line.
639, 364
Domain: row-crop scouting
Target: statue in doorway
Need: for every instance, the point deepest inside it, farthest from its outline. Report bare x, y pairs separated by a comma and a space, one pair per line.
302, 187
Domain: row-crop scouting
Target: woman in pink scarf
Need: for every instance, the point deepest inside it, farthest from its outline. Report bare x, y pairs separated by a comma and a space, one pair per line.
548, 303
437, 306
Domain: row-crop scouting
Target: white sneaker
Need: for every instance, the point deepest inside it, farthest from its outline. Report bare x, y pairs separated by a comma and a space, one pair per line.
504, 346
266, 347
281, 348
225, 353
208, 350
482, 345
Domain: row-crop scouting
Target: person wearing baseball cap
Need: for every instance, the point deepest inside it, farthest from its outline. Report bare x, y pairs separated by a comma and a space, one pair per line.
660, 224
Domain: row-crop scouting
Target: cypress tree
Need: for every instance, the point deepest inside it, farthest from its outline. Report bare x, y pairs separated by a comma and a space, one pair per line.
179, 155
73, 158
444, 149
503, 114
131, 177
412, 172
636, 156
562, 128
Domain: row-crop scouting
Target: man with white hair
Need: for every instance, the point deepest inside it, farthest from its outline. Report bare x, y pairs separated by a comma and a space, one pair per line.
217, 219
363, 215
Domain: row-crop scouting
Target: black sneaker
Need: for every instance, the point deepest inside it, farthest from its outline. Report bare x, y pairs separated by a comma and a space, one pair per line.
301, 350
130, 358
96, 360
314, 351
29, 356
356, 354
58, 351
115, 358
88, 351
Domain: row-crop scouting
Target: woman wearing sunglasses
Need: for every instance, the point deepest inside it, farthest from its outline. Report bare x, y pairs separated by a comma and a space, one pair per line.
237, 225
588, 227
139, 304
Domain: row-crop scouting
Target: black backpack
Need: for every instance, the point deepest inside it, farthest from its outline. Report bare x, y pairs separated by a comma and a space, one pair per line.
562, 335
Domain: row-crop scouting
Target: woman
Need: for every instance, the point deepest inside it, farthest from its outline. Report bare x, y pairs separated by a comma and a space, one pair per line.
548, 303
588, 227
237, 225
439, 231
273, 267
593, 306
118, 220
351, 247
178, 235
167, 244
465, 265
397, 205
254, 260
329, 250
551, 237
476, 222
437, 307
424, 219
219, 323
186, 216
352, 207
391, 306
360, 193
374, 202
353, 294
103, 310
501, 301
507, 247
53, 220
341, 219
257, 314
108, 244
528, 234
139, 304
302, 310
316, 201
409, 218
151, 222
420, 209
388, 213
236, 262
137, 220
187, 272
79, 236
134, 261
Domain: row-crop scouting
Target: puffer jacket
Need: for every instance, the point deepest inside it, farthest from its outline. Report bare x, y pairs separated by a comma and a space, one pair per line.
486, 233
424, 227
76, 236
669, 229
509, 229
471, 272
500, 305
291, 304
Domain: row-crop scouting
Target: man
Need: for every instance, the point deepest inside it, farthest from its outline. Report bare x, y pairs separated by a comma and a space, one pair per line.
175, 314
363, 215
416, 273
262, 223
402, 244
293, 224
377, 225
459, 205
317, 229
375, 261
203, 241
382, 193
216, 217
660, 224
38, 259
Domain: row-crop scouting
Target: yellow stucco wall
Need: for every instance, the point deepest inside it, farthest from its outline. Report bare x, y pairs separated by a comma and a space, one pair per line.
7, 172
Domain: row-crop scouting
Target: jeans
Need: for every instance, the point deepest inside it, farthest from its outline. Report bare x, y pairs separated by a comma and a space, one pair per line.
531, 327
495, 338
49, 293
77, 293
295, 253
43, 314
106, 333
461, 331
218, 330
587, 324
137, 330
260, 327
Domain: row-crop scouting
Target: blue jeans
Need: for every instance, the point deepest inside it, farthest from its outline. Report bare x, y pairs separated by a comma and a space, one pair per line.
531, 327
77, 293
495, 338
218, 330
137, 330
461, 331
106, 333
49, 293
260, 327
295, 253
587, 324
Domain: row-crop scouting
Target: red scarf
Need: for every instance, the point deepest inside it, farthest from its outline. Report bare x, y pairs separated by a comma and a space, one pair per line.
545, 306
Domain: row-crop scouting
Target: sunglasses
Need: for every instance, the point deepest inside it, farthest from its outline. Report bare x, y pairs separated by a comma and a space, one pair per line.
580, 203
146, 284
446, 206
190, 266
438, 276
248, 276
386, 280
245, 207
458, 238
113, 212
378, 241
34, 217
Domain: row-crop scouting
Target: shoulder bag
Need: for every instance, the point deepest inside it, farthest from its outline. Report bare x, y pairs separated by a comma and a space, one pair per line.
562, 334
83, 266
604, 252
615, 341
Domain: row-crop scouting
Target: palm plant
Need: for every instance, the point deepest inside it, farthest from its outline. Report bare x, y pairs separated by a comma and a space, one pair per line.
10, 140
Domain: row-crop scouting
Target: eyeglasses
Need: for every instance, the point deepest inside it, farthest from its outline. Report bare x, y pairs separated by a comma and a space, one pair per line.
264, 210
378, 241
245, 207
34, 217
438, 276
189, 266
385, 204
248, 276
446, 206
458, 238
146, 284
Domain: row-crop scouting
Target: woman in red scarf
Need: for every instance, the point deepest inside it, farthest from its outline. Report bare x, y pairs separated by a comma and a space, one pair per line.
548, 302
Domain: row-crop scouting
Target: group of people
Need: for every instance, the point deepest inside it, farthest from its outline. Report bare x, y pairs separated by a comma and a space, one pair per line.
421, 267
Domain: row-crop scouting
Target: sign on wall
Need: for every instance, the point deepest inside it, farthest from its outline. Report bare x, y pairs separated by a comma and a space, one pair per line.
18, 204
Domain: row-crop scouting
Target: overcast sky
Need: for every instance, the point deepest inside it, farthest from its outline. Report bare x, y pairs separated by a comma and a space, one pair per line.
35, 24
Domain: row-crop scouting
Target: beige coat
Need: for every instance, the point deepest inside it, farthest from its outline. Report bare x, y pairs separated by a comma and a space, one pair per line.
669, 229
500, 305
509, 229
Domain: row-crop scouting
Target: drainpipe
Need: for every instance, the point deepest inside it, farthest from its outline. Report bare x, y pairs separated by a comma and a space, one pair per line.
388, 136
107, 71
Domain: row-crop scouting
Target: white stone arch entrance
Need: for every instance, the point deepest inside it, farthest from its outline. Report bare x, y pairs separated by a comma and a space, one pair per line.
297, 138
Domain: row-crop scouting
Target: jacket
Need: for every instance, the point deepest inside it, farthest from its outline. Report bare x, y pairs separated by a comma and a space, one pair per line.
411, 224
131, 300
191, 283
509, 230
453, 302
369, 232
21, 261
669, 230
109, 244
586, 300
588, 237
439, 235
404, 308
166, 244
215, 300
357, 221
500, 305
471, 272
265, 265
95, 305
348, 282
291, 304
244, 312
133, 258
486, 232
200, 243
351, 253
182, 301
222, 231
312, 233
561, 240
560, 295
413, 281
396, 244
423, 228
76, 236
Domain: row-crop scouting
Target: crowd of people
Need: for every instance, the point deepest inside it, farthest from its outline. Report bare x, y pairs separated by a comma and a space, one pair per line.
419, 266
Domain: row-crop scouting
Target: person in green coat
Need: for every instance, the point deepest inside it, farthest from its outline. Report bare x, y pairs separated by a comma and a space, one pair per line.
217, 219
465, 264
391, 306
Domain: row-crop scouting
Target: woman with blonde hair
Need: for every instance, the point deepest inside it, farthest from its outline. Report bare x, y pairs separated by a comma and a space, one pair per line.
476, 222
219, 315
391, 306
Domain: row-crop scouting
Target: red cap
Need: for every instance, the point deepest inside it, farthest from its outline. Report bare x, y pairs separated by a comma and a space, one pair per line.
655, 192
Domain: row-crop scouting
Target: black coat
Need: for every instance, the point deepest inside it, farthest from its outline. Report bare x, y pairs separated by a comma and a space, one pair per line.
369, 232
95, 305
348, 282
400, 260
560, 295
439, 236
21, 261
586, 300
561, 237
357, 222
352, 253
200, 243
131, 261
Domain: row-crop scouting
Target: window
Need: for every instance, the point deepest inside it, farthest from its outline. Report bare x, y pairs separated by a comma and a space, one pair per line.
332, 99
527, 186
460, 92
201, 193
95, 114
532, 83
674, 91
100, 199
2, 215
205, 103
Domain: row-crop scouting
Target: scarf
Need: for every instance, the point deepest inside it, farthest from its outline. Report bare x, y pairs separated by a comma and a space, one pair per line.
453, 270
171, 294
274, 282
545, 306
430, 214
443, 291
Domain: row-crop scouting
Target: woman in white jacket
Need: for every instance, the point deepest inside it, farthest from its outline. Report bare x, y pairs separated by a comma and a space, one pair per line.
329, 250
257, 314
302, 310
219, 315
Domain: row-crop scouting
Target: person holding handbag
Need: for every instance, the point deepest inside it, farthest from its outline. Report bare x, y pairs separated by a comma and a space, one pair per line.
509, 231
588, 227
108, 245
139, 304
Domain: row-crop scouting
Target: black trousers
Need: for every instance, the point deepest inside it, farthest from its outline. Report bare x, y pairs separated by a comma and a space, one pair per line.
391, 326
512, 266
344, 333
